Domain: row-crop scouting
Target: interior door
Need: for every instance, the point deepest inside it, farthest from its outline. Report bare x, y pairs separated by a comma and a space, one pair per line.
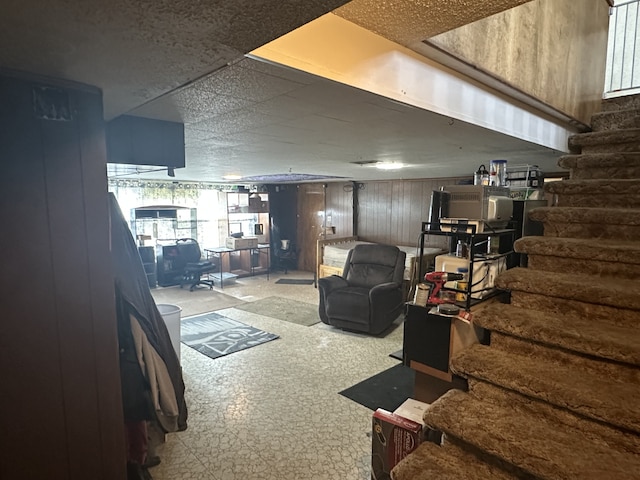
311, 212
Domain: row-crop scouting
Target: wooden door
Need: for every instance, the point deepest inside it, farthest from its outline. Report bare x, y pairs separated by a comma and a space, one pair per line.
311, 212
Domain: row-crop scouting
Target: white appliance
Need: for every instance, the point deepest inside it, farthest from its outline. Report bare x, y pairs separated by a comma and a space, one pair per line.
490, 204
484, 274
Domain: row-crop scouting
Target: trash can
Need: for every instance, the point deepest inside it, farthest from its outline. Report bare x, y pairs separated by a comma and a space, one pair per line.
171, 316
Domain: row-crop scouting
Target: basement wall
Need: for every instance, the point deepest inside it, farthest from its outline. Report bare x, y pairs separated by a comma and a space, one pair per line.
552, 50
61, 403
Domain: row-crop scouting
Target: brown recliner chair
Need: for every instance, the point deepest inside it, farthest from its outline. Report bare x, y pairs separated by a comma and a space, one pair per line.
368, 296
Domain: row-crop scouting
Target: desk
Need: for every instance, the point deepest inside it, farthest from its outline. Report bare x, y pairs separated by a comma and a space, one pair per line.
240, 262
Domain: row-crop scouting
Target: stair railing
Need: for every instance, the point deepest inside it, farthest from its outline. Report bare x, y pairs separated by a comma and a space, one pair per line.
623, 50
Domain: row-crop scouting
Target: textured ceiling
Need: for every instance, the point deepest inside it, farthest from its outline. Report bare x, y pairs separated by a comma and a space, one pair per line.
410, 22
137, 50
255, 118
183, 60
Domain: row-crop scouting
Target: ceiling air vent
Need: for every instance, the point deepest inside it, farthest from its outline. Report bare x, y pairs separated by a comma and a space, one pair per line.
366, 162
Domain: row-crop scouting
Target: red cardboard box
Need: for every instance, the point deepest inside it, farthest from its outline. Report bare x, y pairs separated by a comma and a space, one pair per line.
393, 438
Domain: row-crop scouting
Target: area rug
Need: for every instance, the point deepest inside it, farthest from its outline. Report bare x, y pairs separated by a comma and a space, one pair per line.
284, 309
201, 300
295, 281
387, 390
216, 335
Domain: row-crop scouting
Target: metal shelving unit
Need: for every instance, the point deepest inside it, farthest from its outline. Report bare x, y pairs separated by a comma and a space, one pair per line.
477, 245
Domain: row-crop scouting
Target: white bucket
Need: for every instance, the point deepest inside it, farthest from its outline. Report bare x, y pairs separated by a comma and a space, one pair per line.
171, 316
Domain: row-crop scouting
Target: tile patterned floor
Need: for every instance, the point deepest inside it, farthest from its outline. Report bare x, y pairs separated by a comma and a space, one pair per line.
273, 411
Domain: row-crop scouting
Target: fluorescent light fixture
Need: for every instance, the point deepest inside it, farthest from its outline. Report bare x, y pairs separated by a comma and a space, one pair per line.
232, 177
389, 165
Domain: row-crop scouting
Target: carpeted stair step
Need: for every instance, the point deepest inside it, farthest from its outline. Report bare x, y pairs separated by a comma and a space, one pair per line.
448, 462
615, 120
602, 165
582, 295
582, 256
606, 142
610, 193
594, 223
622, 317
620, 440
625, 102
532, 442
599, 339
567, 386
568, 286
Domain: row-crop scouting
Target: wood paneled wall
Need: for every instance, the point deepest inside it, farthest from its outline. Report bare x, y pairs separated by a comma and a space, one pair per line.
61, 404
339, 209
389, 212
393, 211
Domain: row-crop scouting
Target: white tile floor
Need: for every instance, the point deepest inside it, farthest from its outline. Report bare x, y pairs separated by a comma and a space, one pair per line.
273, 411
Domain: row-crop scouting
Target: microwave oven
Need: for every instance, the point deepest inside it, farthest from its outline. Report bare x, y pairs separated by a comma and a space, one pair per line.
491, 204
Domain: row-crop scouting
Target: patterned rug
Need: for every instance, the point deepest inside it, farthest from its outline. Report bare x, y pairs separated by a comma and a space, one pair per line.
285, 309
215, 335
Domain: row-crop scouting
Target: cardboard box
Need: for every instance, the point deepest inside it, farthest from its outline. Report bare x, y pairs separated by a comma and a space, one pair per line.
393, 438
243, 242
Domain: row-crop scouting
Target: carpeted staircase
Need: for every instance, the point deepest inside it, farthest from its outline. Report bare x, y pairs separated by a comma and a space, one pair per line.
556, 394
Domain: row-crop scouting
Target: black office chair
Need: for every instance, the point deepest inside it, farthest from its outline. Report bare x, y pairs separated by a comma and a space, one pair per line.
194, 266
287, 256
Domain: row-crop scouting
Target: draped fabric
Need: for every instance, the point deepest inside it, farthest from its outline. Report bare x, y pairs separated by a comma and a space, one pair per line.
153, 388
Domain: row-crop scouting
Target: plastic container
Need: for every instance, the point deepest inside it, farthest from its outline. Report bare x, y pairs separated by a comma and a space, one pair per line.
422, 294
171, 316
498, 173
462, 284
462, 249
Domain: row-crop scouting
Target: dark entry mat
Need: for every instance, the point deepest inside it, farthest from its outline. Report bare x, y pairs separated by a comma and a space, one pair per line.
387, 390
397, 355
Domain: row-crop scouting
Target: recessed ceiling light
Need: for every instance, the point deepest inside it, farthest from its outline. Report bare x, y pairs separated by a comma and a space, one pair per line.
232, 177
390, 165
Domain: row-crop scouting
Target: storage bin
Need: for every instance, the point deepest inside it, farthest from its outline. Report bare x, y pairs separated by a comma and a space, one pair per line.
171, 316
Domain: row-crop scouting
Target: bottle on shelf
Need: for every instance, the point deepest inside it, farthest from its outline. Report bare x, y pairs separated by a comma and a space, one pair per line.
462, 249
462, 284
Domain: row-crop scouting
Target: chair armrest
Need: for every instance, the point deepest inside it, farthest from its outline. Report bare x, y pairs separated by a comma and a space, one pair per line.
327, 284
382, 288
385, 296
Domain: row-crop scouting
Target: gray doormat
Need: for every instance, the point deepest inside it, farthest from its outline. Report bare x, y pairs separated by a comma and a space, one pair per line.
284, 309
215, 335
295, 281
